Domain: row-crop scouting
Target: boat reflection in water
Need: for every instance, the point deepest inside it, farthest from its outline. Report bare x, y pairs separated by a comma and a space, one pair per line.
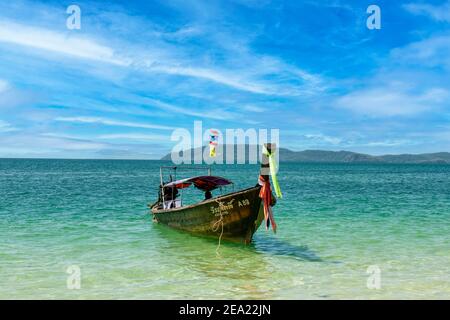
254, 271
237, 270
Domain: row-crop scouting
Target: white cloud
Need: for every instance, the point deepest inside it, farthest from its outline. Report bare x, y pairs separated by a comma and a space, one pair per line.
35, 144
111, 122
112, 136
217, 114
4, 86
389, 143
431, 52
323, 138
6, 127
52, 145
381, 102
40, 38
216, 76
134, 136
409, 83
286, 80
438, 13
168, 58
253, 108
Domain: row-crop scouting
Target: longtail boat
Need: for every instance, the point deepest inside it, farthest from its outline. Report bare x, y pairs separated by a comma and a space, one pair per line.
233, 216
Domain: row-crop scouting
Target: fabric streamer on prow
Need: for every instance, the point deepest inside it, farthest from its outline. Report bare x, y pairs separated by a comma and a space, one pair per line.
266, 195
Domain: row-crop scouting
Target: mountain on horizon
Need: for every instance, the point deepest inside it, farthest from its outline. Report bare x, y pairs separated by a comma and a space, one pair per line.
323, 156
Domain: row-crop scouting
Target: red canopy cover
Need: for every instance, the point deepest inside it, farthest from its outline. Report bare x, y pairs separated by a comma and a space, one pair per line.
205, 183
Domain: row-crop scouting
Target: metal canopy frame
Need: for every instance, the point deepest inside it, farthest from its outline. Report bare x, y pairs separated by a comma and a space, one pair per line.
175, 168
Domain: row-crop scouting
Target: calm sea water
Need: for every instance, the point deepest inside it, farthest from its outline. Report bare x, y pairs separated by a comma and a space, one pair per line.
335, 221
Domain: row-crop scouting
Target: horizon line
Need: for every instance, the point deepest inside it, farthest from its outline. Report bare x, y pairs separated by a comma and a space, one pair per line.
161, 157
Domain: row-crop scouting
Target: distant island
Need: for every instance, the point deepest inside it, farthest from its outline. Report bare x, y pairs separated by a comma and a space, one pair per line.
322, 156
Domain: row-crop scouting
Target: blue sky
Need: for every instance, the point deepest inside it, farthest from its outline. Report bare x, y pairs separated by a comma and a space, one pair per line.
137, 70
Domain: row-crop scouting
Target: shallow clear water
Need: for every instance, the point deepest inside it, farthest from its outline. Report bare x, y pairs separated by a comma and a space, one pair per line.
334, 222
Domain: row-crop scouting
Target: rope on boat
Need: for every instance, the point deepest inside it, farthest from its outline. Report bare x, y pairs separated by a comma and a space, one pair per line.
215, 226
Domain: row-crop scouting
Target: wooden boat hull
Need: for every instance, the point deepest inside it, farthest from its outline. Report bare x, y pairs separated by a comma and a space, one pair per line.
240, 213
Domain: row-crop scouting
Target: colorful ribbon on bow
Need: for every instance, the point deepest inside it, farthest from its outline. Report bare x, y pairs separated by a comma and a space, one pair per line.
213, 142
273, 171
266, 195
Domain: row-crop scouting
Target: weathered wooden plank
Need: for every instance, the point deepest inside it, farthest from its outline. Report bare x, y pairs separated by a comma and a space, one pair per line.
240, 212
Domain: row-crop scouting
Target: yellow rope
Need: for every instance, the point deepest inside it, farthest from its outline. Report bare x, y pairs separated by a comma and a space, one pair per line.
215, 226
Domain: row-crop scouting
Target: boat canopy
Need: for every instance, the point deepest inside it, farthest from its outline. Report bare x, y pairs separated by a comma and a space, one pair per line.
204, 183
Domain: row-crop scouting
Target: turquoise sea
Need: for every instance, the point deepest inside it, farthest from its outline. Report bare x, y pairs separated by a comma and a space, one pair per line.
335, 222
